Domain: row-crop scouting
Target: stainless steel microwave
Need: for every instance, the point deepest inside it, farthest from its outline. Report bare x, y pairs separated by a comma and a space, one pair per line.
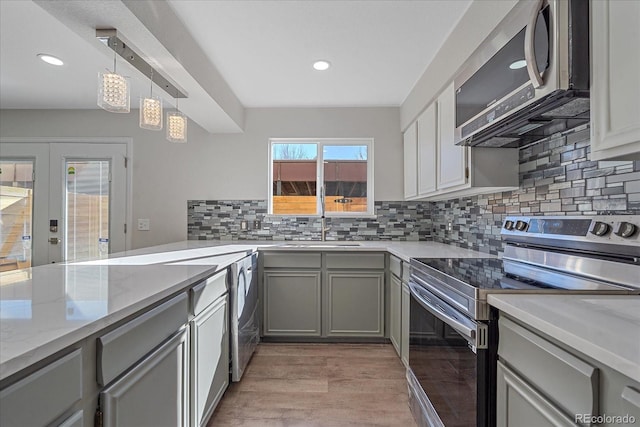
529, 79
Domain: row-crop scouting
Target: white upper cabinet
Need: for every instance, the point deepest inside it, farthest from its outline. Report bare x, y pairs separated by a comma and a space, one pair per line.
427, 141
452, 159
615, 80
410, 146
444, 170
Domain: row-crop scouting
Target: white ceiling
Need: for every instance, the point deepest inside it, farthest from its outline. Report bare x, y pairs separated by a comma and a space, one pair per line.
220, 52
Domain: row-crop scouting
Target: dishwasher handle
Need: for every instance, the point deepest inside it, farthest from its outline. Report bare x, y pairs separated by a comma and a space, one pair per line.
444, 313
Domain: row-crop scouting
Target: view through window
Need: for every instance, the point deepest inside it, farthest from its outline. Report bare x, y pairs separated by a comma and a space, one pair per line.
300, 169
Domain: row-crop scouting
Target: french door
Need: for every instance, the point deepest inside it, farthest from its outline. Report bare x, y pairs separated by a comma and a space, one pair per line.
61, 202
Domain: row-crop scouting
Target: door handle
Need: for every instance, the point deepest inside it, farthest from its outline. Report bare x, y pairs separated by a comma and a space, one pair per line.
54, 240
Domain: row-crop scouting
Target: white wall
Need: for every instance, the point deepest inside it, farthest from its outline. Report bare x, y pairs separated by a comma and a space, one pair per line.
220, 166
480, 19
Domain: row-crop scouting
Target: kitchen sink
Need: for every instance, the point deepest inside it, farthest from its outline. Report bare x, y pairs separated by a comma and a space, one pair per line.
319, 245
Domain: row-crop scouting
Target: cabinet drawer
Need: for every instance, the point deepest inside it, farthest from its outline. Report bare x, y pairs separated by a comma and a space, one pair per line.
351, 260
569, 381
123, 347
205, 293
292, 260
395, 265
45, 395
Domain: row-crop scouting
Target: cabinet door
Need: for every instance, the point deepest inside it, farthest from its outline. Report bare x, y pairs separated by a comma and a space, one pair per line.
427, 140
452, 159
404, 327
615, 90
410, 146
154, 392
354, 304
292, 303
518, 402
209, 360
395, 318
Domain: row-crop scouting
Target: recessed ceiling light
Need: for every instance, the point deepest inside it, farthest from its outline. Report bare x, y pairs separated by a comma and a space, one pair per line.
50, 59
516, 65
321, 65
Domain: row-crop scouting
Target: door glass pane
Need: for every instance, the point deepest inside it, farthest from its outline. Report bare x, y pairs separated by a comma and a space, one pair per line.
294, 178
345, 178
86, 209
16, 213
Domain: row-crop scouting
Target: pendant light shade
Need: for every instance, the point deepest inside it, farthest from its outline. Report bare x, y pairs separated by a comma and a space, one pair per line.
151, 113
151, 110
176, 127
113, 92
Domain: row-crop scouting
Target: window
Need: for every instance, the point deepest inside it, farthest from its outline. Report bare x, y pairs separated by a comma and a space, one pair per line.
301, 169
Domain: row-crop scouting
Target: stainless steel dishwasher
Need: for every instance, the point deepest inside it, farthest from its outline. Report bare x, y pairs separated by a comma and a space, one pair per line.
244, 319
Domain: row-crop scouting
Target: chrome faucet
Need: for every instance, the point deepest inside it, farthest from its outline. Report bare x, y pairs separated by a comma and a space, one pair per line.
323, 218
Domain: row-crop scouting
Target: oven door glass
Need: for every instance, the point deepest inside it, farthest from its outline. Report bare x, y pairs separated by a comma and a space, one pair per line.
444, 365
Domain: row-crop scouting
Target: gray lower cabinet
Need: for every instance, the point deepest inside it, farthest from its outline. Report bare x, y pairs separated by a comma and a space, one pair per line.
209, 371
404, 326
354, 304
75, 420
292, 303
43, 397
395, 317
154, 392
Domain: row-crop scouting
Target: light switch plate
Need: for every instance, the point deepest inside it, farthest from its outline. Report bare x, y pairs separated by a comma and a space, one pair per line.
144, 224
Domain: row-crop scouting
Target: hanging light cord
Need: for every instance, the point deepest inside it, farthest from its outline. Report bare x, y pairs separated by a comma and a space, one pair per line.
151, 96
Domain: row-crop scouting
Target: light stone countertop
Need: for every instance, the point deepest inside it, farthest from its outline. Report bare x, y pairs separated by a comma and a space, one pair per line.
603, 327
48, 308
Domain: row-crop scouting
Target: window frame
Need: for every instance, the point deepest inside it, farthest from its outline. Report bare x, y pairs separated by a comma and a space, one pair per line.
320, 143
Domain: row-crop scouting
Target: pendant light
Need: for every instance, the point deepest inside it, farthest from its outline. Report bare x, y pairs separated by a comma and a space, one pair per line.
176, 126
113, 91
151, 110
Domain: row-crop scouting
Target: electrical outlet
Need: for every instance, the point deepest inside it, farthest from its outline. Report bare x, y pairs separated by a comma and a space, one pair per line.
244, 225
144, 224
450, 226
257, 224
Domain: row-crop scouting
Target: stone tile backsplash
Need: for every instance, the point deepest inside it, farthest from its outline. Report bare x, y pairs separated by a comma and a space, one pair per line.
221, 220
556, 178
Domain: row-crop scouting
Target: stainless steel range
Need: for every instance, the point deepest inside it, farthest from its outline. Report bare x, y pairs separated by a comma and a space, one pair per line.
453, 333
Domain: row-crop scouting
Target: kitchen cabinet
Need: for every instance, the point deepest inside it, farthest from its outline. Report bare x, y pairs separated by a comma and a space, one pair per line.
404, 325
427, 141
292, 303
209, 358
44, 396
322, 295
395, 303
405, 321
354, 303
445, 170
615, 86
154, 392
144, 364
410, 148
75, 420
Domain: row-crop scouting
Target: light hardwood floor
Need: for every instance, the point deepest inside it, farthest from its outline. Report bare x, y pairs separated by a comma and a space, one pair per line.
323, 385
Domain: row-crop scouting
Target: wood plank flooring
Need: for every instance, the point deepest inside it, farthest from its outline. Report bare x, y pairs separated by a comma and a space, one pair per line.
318, 385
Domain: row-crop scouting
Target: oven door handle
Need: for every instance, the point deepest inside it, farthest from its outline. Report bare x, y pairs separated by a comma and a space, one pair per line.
444, 314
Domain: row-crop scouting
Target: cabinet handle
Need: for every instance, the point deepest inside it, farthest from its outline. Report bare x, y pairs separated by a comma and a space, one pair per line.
632, 396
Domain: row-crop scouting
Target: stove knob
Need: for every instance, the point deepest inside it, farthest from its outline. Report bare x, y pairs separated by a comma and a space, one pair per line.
599, 228
625, 229
508, 225
521, 225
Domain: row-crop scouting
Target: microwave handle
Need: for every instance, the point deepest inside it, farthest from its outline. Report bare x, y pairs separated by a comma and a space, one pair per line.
442, 314
529, 47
